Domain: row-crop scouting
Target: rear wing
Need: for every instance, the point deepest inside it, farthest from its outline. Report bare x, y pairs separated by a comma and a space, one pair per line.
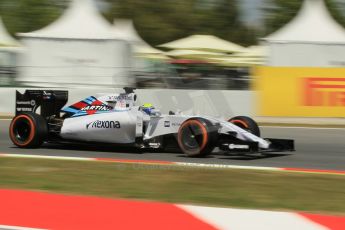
50, 102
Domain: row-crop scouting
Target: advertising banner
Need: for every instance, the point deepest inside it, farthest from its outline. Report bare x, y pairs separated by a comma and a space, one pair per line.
300, 92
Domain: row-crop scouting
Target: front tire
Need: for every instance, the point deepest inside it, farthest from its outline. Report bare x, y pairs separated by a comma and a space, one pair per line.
247, 124
197, 137
28, 130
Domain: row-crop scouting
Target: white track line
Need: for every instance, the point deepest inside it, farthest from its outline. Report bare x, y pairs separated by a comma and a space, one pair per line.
178, 164
183, 164
46, 157
241, 219
5, 227
220, 166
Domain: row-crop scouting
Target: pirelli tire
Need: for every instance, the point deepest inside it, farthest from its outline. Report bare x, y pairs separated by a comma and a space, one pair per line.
197, 137
28, 130
247, 124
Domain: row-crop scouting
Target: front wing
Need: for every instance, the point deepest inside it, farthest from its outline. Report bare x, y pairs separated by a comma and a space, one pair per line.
276, 145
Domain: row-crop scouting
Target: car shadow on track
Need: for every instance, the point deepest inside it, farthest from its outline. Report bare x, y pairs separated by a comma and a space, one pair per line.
244, 157
133, 150
92, 148
185, 156
239, 156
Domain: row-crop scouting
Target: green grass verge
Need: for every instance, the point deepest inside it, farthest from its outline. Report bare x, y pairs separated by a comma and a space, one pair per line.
215, 187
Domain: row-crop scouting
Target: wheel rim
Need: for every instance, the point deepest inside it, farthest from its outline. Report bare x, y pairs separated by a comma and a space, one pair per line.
22, 130
192, 136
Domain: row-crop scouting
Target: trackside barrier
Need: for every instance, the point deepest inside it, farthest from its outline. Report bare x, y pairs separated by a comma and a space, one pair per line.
217, 103
300, 92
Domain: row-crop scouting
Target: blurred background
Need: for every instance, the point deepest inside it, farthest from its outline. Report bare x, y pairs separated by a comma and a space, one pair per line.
182, 44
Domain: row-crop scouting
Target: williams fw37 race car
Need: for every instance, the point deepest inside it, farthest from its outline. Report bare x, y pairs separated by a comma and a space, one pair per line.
114, 119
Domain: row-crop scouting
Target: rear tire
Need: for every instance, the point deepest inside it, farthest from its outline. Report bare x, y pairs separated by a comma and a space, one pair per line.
28, 130
197, 137
247, 124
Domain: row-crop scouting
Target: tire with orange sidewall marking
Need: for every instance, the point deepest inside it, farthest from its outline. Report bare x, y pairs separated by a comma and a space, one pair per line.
247, 124
28, 130
197, 137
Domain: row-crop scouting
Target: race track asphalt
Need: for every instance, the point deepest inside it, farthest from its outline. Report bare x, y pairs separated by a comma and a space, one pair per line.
317, 148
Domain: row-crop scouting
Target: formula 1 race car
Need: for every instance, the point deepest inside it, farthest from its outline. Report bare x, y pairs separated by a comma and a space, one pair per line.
115, 119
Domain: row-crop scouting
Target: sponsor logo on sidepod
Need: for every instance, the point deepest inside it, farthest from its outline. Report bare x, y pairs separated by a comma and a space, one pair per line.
96, 107
104, 125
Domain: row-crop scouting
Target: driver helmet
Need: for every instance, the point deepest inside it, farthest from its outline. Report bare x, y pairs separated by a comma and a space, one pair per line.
148, 108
